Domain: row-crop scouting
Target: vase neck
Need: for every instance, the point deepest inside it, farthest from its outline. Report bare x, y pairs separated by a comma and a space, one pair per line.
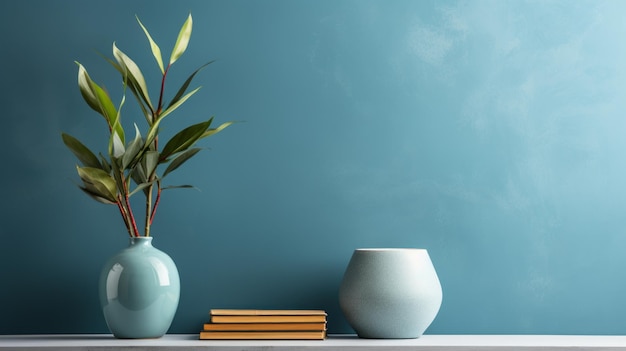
141, 241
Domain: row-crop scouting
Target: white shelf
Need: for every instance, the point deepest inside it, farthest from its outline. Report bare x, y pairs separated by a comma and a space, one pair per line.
190, 342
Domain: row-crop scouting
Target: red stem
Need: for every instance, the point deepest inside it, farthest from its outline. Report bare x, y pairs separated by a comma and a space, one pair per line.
123, 213
132, 217
130, 210
156, 203
160, 105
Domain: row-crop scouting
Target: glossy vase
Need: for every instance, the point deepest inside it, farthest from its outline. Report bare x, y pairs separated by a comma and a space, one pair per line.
390, 293
139, 291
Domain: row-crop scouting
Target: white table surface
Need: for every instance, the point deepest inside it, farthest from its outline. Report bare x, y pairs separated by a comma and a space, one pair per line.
333, 342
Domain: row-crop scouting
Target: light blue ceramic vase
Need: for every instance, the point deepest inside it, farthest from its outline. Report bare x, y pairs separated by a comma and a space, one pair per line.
390, 293
139, 291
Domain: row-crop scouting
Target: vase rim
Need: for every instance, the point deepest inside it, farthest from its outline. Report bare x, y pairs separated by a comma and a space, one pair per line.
390, 249
140, 238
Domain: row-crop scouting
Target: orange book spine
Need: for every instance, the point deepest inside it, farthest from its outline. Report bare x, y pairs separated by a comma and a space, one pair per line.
264, 326
303, 335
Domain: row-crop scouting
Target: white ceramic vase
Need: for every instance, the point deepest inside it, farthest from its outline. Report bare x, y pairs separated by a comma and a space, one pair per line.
390, 293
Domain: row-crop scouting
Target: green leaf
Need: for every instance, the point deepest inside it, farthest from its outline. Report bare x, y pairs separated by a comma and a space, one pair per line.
185, 85
138, 174
105, 164
140, 187
182, 41
107, 109
151, 159
97, 197
84, 84
133, 88
117, 145
179, 160
134, 74
144, 169
96, 97
133, 150
147, 114
156, 51
85, 156
113, 63
212, 131
177, 104
179, 187
154, 127
117, 122
117, 174
140, 101
98, 182
184, 139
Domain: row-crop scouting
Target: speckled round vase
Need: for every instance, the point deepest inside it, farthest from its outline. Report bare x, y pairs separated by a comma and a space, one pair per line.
390, 293
139, 291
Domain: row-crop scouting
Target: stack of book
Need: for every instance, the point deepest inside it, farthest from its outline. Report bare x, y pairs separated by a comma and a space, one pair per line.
265, 324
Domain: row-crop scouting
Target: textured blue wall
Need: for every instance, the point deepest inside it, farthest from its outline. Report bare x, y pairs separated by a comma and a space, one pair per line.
491, 133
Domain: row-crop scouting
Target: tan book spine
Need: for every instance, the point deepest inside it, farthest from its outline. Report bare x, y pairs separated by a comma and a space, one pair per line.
249, 312
268, 319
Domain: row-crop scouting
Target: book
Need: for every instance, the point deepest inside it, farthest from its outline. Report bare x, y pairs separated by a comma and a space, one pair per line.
264, 326
244, 312
265, 335
267, 316
268, 319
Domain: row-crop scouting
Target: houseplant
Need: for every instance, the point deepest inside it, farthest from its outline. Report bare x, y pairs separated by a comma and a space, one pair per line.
130, 285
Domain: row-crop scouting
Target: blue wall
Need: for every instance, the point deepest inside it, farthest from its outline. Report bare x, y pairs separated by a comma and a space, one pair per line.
491, 133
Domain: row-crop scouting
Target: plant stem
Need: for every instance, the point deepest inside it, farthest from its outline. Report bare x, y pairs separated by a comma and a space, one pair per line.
160, 105
148, 210
123, 213
129, 209
156, 202
131, 216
